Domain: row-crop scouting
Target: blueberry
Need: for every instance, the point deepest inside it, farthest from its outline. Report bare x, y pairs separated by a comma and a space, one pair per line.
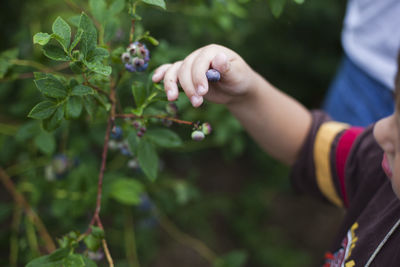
116, 133
130, 67
213, 75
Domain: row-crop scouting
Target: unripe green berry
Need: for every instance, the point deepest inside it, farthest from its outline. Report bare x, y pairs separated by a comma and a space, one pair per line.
197, 135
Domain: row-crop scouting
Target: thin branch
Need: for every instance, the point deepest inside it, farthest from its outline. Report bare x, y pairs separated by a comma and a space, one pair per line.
186, 239
107, 253
99, 90
161, 117
19, 198
132, 31
42, 68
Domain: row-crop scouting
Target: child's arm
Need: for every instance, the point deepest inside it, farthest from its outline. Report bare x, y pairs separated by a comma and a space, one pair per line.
276, 121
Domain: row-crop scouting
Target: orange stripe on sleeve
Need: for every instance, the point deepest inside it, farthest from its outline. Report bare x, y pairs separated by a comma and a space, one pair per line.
322, 150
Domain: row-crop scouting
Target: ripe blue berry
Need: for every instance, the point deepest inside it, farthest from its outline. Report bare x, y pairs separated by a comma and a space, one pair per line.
213, 75
116, 133
197, 135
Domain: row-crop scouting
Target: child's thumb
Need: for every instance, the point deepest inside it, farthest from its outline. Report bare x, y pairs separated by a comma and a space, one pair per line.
221, 63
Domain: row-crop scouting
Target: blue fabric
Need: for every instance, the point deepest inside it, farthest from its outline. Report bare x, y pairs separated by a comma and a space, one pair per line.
356, 98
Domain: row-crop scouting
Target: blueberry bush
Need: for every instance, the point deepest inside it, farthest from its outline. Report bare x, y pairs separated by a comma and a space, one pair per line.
99, 169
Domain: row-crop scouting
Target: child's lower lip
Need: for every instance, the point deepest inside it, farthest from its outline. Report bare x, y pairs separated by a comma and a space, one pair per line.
386, 167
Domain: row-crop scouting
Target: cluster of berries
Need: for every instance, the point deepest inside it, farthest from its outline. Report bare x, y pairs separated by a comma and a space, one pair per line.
117, 142
136, 57
201, 131
140, 128
59, 167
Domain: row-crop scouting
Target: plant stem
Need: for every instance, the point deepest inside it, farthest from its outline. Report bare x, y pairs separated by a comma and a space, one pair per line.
130, 244
162, 117
20, 200
16, 221
186, 239
110, 123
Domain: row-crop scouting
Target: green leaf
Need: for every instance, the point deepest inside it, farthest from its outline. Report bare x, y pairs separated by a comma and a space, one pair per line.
77, 67
74, 20
89, 36
77, 38
51, 87
90, 105
139, 94
127, 191
73, 107
159, 3
41, 38
99, 68
27, 131
116, 7
5, 58
45, 142
98, 8
152, 40
82, 90
299, 1
43, 110
277, 7
164, 137
62, 30
55, 52
133, 141
98, 54
55, 120
148, 159
93, 240
55, 259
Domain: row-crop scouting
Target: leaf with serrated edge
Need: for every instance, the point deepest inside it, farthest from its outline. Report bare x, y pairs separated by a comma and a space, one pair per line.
63, 30
73, 107
89, 36
159, 3
82, 90
76, 40
41, 38
55, 52
43, 110
51, 87
148, 159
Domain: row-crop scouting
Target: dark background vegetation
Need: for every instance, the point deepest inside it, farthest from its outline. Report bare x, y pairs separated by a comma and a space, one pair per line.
225, 191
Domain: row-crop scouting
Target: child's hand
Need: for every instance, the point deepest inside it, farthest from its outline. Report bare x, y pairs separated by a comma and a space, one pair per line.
236, 76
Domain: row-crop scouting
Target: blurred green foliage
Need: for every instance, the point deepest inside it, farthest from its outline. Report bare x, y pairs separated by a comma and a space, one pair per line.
222, 191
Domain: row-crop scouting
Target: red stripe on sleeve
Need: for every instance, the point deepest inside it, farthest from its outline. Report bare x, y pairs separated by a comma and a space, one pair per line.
342, 152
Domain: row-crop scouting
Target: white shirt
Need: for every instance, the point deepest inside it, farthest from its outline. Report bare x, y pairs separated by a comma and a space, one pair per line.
371, 37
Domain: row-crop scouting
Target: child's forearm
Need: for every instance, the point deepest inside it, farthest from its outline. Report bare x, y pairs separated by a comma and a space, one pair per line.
277, 122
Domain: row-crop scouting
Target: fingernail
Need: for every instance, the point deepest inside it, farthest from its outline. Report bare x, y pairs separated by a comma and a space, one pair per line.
156, 75
201, 90
196, 100
170, 95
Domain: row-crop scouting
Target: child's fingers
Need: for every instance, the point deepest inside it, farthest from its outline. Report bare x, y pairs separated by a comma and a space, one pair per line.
159, 73
221, 63
170, 81
202, 63
186, 82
